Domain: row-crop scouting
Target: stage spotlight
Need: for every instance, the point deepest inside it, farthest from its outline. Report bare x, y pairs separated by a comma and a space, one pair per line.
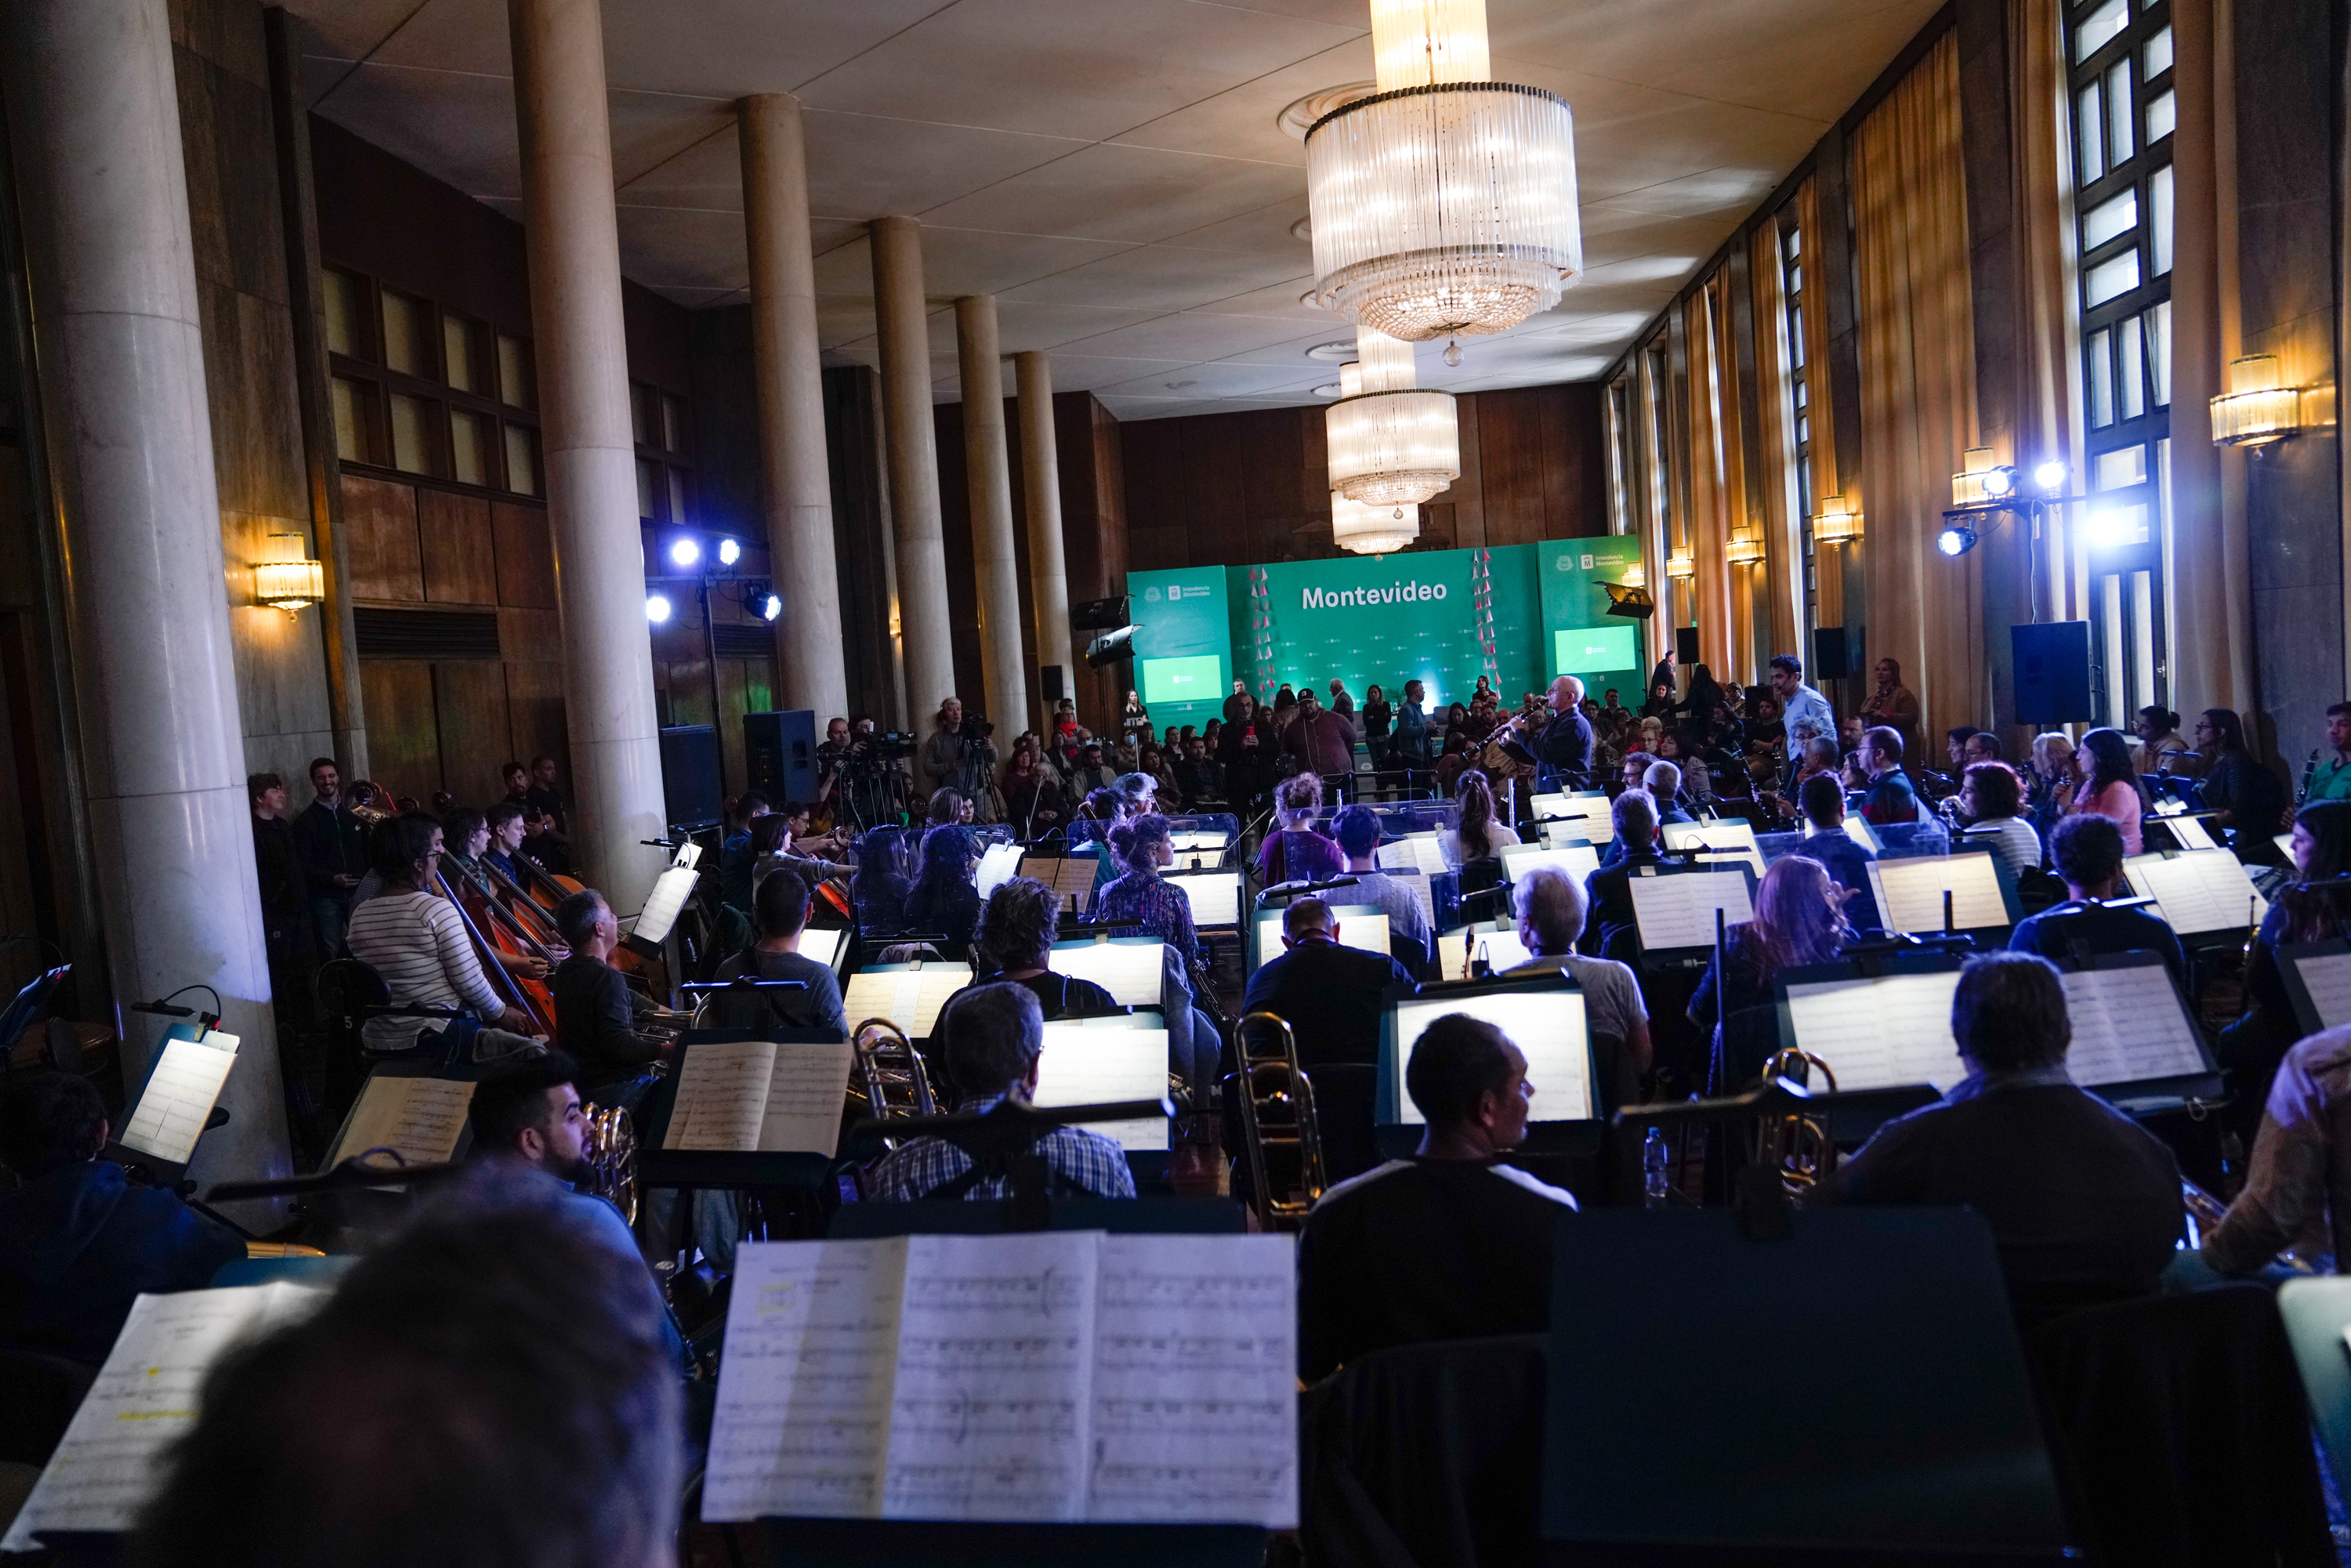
729, 551
2108, 528
770, 606
685, 551
657, 608
1956, 540
1999, 482
2051, 475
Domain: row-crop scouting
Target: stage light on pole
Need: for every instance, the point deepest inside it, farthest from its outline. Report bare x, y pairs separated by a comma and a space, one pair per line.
1956, 540
729, 551
770, 606
657, 608
2109, 527
1982, 480
2051, 475
684, 550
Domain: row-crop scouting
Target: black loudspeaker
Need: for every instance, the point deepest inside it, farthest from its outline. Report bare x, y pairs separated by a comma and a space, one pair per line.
1056, 682
2052, 671
1686, 646
780, 755
692, 790
1096, 615
1829, 654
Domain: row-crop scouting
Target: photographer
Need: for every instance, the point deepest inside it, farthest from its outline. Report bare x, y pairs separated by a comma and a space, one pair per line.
958, 756
870, 787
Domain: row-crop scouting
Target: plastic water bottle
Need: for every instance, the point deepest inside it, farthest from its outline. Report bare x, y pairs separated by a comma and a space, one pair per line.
1653, 1170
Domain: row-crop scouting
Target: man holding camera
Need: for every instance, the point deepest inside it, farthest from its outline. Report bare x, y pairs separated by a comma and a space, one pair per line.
956, 757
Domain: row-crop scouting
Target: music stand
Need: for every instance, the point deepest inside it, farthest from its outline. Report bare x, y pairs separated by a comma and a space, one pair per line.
1672, 931
1878, 1088
2205, 896
692, 1168
1363, 927
2318, 977
1919, 894
1544, 1014
1214, 896
2317, 1311
2163, 1067
1896, 1424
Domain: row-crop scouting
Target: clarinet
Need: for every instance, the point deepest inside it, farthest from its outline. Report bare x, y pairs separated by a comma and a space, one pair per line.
2310, 768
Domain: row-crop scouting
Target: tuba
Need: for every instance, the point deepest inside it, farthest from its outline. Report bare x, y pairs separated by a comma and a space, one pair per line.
611, 1150
1796, 1146
890, 1081
1277, 1111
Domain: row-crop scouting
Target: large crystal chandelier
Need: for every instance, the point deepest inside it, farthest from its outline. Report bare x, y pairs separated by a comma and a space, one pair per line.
1391, 443
1373, 530
1445, 203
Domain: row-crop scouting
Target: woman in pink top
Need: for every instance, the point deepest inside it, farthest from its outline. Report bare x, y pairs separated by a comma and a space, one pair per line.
2110, 785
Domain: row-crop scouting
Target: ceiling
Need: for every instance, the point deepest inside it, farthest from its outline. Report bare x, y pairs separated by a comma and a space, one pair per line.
1114, 171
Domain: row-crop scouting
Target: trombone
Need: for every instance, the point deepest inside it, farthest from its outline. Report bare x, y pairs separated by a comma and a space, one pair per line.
1796, 1146
1276, 1100
892, 1081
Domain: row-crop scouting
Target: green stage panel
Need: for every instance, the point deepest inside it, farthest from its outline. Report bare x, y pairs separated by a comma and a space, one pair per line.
1183, 643
1198, 678
1583, 639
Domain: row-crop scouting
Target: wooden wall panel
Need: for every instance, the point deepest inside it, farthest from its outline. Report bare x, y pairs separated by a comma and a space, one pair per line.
469, 707
535, 714
525, 635
386, 562
459, 560
526, 555
404, 736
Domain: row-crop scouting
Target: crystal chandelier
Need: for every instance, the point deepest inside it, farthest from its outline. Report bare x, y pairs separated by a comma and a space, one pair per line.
285, 577
1445, 203
1373, 530
1392, 442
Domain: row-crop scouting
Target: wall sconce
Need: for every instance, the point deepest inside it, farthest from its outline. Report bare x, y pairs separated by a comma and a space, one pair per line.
2255, 409
1743, 548
1836, 523
1635, 576
1985, 482
1681, 563
285, 578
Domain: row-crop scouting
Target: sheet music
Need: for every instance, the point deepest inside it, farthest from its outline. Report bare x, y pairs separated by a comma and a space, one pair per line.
998, 864
1195, 1405
2189, 833
910, 999
1361, 926
805, 1094
1735, 836
1677, 910
1578, 860
989, 1411
1200, 838
671, 890
2128, 1026
1131, 972
2198, 891
1548, 1027
1413, 878
802, 1422
823, 944
1215, 896
178, 1100
1423, 851
1911, 892
721, 1090
1589, 818
422, 1118
1073, 879
1453, 952
2327, 977
143, 1401
1881, 1033
1502, 950
1092, 1066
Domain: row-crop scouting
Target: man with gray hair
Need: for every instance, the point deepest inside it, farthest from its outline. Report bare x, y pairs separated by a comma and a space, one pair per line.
1663, 781
1609, 931
994, 1036
1550, 906
2083, 1204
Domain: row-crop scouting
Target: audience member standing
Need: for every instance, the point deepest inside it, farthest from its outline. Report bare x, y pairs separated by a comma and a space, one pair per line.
1894, 706
332, 843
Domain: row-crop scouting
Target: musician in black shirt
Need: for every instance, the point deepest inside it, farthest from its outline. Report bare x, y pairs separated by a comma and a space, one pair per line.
782, 906
1015, 943
2088, 850
334, 845
595, 1010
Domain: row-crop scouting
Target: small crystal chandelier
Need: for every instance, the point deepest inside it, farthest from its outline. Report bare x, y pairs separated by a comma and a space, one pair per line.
2255, 409
285, 578
1392, 442
1373, 530
1445, 203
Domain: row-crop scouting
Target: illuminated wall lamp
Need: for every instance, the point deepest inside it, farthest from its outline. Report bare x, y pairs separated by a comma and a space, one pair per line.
2255, 409
1743, 548
1984, 482
1836, 523
285, 578
1636, 576
1681, 564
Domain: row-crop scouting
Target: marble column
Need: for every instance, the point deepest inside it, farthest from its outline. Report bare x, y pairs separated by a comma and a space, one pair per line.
797, 488
94, 128
896, 717
995, 558
902, 315
1041, 490
590, 449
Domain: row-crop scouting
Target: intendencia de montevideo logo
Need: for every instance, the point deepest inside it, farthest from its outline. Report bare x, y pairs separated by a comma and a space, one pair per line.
1398, 592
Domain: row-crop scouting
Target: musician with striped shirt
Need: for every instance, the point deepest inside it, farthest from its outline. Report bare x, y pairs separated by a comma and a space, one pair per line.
415, 939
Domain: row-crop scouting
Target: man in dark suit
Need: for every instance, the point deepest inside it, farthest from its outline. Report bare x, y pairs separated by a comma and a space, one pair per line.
1333, 997
1563, 749
1611, 932
332, 842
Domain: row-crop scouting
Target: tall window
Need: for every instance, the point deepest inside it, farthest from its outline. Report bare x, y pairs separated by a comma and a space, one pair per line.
2119, 58
664, 468
1800, 396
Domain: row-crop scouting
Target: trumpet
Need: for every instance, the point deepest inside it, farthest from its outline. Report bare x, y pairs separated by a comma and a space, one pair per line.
892, 1081
1275, 1083
1798, 1147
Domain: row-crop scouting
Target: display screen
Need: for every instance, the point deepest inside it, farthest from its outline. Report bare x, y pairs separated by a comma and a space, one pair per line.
1594, 650
1198, 679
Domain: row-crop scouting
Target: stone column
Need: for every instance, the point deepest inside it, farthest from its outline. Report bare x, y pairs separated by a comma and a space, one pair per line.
797, 488
591, 451
994, 554
1040, 488
95, 131
922, 561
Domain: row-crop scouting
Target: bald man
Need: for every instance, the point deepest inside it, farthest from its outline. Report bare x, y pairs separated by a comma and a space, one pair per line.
1563, 750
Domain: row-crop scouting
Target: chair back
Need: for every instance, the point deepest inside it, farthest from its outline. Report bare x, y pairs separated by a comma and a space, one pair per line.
2182, 1420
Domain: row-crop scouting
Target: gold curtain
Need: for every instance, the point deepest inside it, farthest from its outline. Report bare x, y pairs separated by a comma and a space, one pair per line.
1917, 387
1781, 577
1712, 496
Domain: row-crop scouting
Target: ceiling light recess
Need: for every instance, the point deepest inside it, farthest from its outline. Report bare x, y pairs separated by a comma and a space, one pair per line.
1445, 203
1392, 442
